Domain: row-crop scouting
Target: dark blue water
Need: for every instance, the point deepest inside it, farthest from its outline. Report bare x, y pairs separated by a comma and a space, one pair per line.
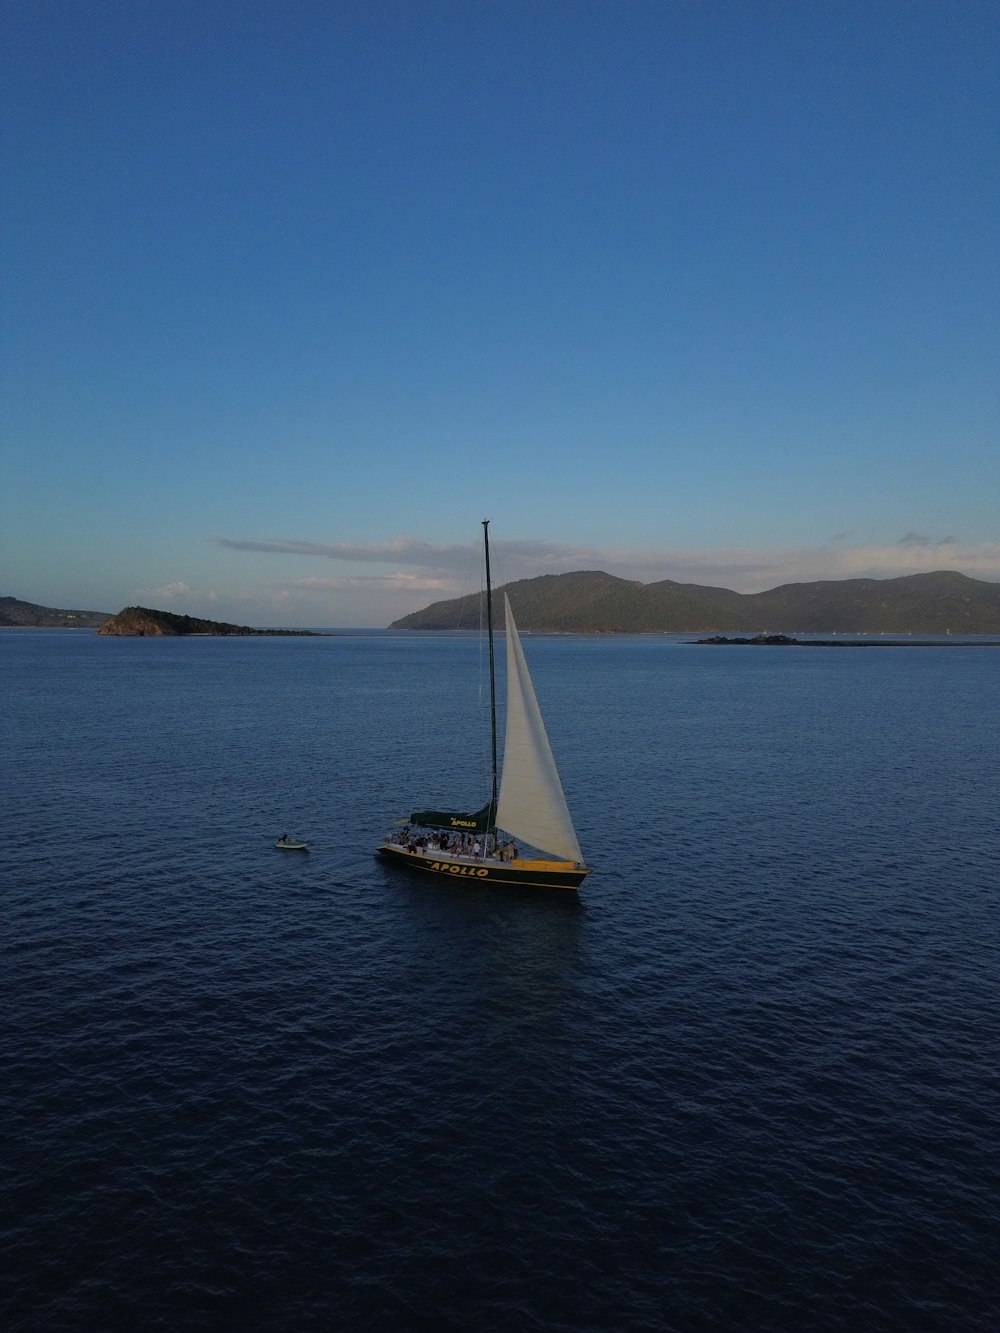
748, 1080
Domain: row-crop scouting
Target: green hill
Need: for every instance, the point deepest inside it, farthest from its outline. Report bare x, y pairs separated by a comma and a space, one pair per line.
595, 602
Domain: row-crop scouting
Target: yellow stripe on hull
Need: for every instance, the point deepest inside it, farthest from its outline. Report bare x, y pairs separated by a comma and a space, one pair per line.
523, 873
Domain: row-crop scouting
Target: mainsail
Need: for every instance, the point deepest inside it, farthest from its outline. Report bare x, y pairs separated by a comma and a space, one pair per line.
531, 806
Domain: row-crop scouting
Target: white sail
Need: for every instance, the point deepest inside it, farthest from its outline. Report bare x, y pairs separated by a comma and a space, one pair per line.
531, 806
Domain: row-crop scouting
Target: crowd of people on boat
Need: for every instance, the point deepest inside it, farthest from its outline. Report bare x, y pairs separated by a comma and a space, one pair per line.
475, 846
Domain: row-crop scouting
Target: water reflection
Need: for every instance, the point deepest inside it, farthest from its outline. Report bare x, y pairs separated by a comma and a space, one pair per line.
522, 961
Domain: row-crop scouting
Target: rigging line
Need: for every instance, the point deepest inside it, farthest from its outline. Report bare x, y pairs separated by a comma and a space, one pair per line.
499, 583
493, 696
485, 756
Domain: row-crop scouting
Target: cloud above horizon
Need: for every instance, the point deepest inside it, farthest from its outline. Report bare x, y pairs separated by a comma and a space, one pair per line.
177, 591
920, 539
397, 581
441, 568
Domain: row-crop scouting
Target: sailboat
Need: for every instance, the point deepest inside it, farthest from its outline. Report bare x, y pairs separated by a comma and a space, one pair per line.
527, 806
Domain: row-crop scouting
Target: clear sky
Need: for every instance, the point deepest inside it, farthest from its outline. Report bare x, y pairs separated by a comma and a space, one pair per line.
294, 295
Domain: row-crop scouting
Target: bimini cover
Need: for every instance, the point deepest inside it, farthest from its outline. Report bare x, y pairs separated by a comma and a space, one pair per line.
479, 821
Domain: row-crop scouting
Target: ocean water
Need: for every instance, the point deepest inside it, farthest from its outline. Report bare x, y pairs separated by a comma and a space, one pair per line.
748, 1079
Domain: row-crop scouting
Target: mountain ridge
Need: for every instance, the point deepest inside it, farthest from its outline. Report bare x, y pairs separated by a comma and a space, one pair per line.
593, 601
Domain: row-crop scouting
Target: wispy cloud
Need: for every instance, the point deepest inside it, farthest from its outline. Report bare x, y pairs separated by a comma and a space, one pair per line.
539, 556
403, 550
409, 582
921, 539
423, 570
173, 592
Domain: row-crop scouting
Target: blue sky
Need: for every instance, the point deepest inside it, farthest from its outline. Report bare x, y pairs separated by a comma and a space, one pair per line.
292, 296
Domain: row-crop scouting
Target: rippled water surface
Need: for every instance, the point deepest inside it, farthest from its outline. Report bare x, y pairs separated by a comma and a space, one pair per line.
748, 1079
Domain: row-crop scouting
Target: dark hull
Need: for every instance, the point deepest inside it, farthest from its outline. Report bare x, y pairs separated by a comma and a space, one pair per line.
519, 874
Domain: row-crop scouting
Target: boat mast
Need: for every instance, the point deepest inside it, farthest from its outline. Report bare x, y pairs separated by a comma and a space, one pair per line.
493, 683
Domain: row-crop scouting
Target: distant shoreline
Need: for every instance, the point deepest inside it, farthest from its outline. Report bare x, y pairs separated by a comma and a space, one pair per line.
784, 641
760, 640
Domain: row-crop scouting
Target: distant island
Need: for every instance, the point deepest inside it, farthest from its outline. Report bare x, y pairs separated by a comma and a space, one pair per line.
133, 621
15, 614
143, 622
783, 641
593, 602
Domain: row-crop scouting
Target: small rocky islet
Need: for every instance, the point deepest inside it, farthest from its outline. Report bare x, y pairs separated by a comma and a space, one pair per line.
144, 622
